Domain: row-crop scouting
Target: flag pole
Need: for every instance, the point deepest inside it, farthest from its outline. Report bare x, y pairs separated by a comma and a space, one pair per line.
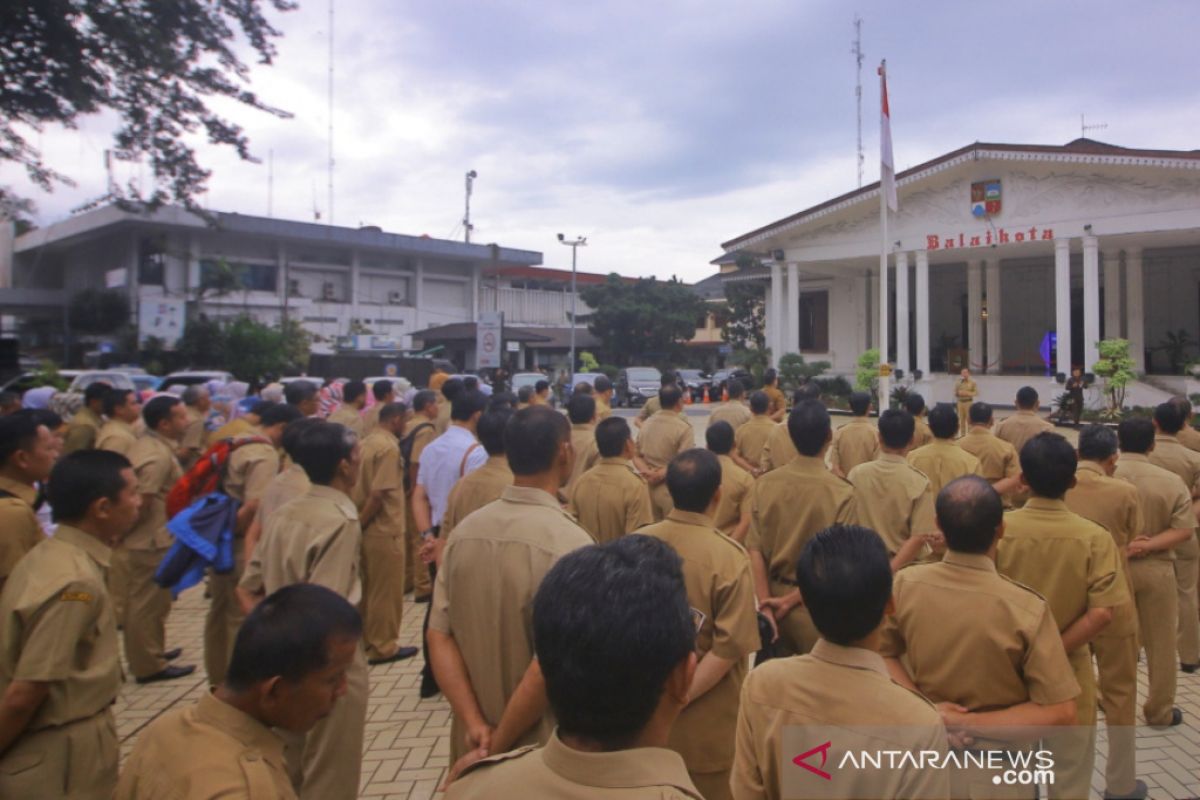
884, 193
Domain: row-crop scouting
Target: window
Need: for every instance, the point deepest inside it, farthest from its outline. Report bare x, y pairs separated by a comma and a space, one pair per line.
152, 260
814, 322
234, 276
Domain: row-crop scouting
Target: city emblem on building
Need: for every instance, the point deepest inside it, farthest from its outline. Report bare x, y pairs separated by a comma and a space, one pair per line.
985, 198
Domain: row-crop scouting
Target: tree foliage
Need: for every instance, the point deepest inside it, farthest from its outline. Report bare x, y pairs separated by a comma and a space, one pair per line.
745, 328
1116, 367
154, 64
866, 371
243, 346
794, 370
98, 311
648, 316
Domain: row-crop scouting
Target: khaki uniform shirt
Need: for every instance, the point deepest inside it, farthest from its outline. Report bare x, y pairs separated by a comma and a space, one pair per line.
1169, 453
1166, 500
19, 528
942, 462
293, 482
250, 470
856, 442
892, 498
649, 408
208, 750
194, 437
475, 490
117, 436
382, 470
313, 539
350, 417
965, 390
846, 688
735, 412
157, 469
922, 435
231, 430
643, 773
997, 458
369, 419
443, 418
716, 572
603, 409
1113, 504
777, 398
736, 484
483, 595
1001, 647
788, 506
611, 499
779, 451
1189, 437
421, 438
1021, 427
583, 442
664, 436
82, 431
750, 438
57, 626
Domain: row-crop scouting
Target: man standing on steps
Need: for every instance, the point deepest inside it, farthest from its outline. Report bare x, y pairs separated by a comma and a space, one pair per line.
965, 392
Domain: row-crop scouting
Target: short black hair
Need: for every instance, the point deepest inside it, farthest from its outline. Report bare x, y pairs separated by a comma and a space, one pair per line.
1027, 398
980, 413
114, 398
452, 388
1048, 463
541, 386
280, 413
423, 399
288, 635
602, 384
525, 394
1136, 435
736, 388
860, 403
809, 390
1097, 442
667, 378
611, 435
81, 478
669, 396
43, 416
490, 429
770, 376
502, 400
293, 432
532, 438
467, 405
381, 389
759, 402
17, 432
1169, 420
914, 404
896, 428
581, 408
845, 579
1185, 407
297, 392
583, 387
943, 421
389, 411
719, 437
809, 427
352, 390
158, 409
320, 448
7, 398
968, 513
470, 382
606, 664
97, 390
693, 477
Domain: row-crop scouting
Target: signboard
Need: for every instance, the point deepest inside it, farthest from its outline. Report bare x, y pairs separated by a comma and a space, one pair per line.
885, 370
988, 238
115, 278
985, 198
163, 319
512, 347
488, 332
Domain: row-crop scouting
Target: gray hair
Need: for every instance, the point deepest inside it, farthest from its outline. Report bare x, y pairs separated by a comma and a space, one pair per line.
192, 394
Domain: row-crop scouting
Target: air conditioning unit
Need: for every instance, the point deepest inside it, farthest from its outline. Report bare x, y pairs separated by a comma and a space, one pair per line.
328, 291
397, 298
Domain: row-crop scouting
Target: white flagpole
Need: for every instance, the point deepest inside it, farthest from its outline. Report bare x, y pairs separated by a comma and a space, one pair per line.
885, 142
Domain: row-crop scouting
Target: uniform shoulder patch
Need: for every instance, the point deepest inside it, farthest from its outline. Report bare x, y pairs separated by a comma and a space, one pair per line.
493, 760
72, 596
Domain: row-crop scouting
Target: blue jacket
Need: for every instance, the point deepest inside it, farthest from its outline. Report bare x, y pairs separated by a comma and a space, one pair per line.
203, 538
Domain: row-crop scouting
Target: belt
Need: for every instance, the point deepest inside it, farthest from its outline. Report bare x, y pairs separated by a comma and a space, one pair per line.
788, 581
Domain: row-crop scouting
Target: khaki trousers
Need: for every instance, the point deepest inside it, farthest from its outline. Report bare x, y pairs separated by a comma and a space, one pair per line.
326, 763
660, 501
146, 608
1116, 660
416, 576
224, 617
383, 562
713, 785
1187, 570
118, 581
1157, 601
964, 411
1075, 747
76, 761
797, 633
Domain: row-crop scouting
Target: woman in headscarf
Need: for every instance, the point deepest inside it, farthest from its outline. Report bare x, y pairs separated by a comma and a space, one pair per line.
330, 398
39, 397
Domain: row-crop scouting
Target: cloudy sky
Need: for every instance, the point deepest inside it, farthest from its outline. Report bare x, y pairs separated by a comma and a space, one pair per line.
660, 129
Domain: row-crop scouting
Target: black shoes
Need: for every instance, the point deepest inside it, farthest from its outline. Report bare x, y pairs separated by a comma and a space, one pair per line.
1189, 668
423, 598
1139, 793
1176, 719
400, 655
173, 653
168, 674
429, 686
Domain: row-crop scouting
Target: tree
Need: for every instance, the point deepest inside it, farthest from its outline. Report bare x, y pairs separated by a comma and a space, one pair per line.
98, 311
866, 372
1116, 367
794, 370
647, 316
154, 64
746, 327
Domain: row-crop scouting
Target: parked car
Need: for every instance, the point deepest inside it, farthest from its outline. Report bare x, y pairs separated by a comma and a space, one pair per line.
192, 377
694, 381
117, 380
720, 380
146, 382
484, 386
526, 379
635, 385
32, 380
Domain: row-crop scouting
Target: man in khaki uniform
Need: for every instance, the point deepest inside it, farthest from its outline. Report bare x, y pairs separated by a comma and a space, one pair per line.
484, 485
608, 744
288, 671
999, 656
665, 435
248, 472
732, 516
349, 412
999, 463
146, 603
27, 454
1115, 505
1073, 563
86, 423
379, 495
788, 506
317, 539
384, 393
1025, 424
420, 430
581, 411
1188, 436
653, 404
915, 405
59, 668
611, 499
1171, 454
943, 460
1168, 521
239, 426
856, 442
965, 392
122, 409
479, 625
843, 683
734, 410
304, 395
777, 402
197, 401
603, 389
750, 438
779, 450
891, 497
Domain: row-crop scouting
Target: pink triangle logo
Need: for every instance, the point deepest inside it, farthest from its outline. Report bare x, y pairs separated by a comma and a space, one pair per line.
823, 749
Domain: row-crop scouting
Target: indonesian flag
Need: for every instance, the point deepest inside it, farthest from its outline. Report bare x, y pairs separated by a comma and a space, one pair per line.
887, 166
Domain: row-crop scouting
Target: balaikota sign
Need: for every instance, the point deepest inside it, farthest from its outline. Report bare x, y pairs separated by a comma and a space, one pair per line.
488, 333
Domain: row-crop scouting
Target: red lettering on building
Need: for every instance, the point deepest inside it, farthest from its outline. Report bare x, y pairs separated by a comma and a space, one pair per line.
1020, 236
1047, 234
988, 238
931, 242
974, 241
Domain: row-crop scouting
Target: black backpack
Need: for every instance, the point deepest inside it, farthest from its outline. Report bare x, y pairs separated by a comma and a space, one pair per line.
406, 448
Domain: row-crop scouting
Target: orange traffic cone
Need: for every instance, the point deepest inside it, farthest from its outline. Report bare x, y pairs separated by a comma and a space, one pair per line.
724, 394
706, 400
687, 396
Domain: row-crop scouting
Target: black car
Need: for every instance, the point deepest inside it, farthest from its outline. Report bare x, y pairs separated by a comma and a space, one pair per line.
636, 385
694, 381
720, 380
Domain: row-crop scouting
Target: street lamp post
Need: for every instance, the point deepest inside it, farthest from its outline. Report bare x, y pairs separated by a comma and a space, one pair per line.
574, 244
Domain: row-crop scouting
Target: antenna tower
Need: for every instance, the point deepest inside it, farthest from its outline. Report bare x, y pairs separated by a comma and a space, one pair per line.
857, 52
1084, 127
330, 114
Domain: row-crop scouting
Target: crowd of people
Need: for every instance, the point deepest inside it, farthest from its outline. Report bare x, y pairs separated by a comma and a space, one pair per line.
596, 592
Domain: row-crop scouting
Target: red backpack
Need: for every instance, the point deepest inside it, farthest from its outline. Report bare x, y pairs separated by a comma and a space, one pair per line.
206, 475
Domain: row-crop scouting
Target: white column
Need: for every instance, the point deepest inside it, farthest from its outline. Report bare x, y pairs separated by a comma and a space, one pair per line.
975, 314
1112, 295
354, 279
1135, 320
775, 327
792, 311
1062, 303
902, 318
873, 317
995, 358
1091, 301
923, 312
